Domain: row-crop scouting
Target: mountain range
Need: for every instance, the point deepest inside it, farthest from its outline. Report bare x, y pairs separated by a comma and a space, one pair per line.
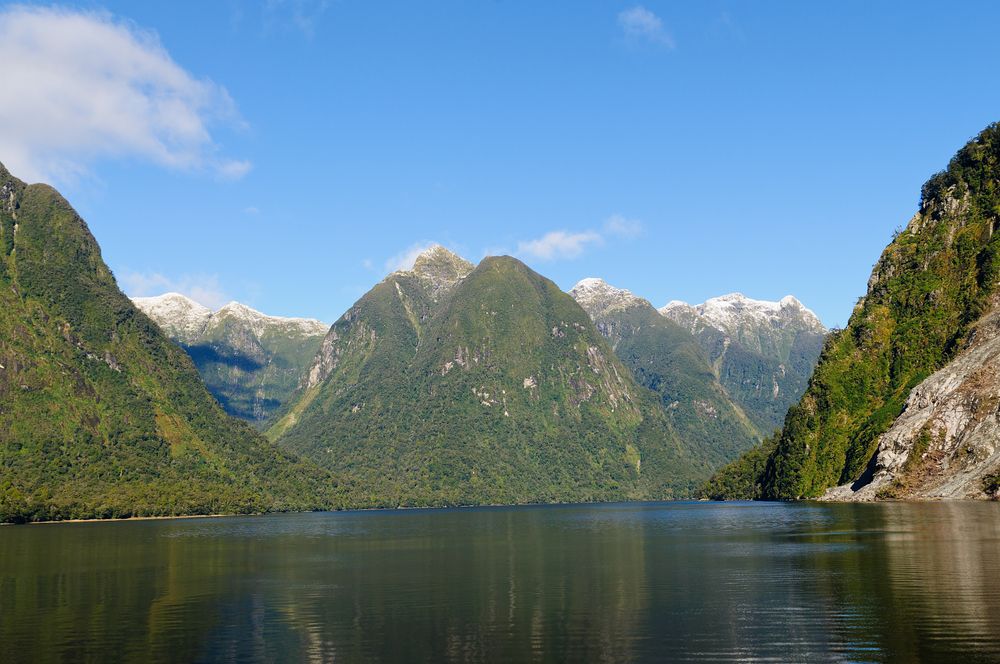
448, 383
452, 383
904, 400
250, 362
668, 360
763, 352
459, 384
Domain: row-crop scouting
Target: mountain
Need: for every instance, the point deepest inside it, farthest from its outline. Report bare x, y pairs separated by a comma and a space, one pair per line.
668, 360
453, 384
101, 415
763, 352
249, 361
904, 400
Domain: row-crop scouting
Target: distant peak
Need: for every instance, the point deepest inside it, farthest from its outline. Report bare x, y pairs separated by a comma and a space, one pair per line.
181, 314
733, 310
242, 310
435, 250
438, 269
233, 305
791, 301
437, 255
732, 297
590, 283
175, 299
598, 297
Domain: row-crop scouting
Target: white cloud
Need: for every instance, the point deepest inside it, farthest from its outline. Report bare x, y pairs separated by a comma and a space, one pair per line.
404, 259
640, 24
202, 288
556, 245
251, 210
559, 244
79, 86
618, 225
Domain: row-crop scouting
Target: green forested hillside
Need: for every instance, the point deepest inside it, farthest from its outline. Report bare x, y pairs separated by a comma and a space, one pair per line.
668, 360
931, 283
445, 386
100, 414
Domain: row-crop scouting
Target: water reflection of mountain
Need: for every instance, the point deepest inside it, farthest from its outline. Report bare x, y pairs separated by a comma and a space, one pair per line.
891, 582
519, 588
944, 580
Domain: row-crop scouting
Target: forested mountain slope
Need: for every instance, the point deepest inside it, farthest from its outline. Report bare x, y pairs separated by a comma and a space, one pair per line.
101, 415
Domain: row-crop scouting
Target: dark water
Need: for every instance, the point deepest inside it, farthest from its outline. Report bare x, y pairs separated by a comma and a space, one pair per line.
638, 582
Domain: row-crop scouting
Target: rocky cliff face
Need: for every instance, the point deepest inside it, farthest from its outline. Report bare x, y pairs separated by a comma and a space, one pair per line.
903, 400
763, 352
249, 361
946, 442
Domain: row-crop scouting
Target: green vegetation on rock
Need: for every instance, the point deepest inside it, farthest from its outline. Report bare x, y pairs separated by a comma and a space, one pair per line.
668, 360
932, 282
100, 414
449, 385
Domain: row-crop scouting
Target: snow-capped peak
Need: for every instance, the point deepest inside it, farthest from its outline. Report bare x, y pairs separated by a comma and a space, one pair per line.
180, 316
258, 321
597, 297
183, 318
790, 301
735, 311
590, 283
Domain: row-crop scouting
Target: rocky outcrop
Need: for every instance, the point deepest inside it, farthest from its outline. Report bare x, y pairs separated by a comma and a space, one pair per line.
435, 273
946, 442
903, 401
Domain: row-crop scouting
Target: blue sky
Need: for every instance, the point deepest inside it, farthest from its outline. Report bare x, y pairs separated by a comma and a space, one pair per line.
287, 154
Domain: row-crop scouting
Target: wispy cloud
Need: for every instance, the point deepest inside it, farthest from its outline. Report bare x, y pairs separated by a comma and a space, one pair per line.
620, 226
559, 245
566, 245
404, 260
641, 25
302, 15
202, 288
79, 86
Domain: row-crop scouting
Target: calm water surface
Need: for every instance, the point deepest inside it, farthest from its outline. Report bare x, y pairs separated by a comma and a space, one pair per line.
630, 582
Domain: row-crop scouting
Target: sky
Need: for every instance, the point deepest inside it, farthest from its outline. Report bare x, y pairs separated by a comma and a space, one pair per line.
289, 153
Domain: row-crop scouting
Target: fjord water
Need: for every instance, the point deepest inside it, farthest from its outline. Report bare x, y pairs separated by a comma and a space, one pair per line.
623, 582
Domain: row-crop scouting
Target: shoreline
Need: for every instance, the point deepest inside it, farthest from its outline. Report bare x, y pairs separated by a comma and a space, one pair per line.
402, 508
136, 518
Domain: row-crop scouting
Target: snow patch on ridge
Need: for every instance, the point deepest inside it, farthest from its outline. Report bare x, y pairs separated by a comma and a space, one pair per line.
183, 318
178, 315
597, 297
734, 311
